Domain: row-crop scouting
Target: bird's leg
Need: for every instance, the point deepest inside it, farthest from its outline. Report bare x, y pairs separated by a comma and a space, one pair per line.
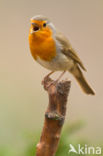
46, 77
55, 82
48, 74
60, 76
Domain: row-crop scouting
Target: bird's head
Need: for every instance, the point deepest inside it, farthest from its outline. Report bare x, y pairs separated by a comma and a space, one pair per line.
41, 27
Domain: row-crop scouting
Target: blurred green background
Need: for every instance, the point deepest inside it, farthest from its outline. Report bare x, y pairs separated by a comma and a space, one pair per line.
22, 98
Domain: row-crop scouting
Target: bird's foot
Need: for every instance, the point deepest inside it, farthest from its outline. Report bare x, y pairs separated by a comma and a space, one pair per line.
52, 83
46, 78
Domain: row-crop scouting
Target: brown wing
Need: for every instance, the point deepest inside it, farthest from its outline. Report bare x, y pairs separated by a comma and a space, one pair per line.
68, 50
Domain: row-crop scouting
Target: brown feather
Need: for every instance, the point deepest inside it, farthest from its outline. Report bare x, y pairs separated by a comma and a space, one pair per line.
77, 73
68, 50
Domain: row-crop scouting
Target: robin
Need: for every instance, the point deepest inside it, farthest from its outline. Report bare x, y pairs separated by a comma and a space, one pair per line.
53, 51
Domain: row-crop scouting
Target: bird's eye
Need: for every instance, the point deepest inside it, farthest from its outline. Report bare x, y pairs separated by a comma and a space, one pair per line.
44, 25
36, 28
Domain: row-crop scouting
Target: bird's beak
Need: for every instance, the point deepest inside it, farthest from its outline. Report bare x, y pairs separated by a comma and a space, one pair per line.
31, 32
34, 25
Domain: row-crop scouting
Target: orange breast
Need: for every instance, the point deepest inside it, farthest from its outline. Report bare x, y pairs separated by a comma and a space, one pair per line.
42, 46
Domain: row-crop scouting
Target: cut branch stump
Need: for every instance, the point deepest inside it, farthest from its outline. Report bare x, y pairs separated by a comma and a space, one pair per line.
54, 116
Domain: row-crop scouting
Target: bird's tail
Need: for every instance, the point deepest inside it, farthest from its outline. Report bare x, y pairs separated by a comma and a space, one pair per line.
81, 80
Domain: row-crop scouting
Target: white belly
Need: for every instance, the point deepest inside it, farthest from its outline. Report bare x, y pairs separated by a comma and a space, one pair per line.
59, 63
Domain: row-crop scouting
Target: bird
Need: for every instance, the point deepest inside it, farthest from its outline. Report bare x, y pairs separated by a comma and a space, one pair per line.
51, 49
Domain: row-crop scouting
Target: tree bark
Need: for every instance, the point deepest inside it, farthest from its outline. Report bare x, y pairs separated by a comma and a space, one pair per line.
54, 117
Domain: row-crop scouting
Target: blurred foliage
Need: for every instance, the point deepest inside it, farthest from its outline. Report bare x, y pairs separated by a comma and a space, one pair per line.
63, 148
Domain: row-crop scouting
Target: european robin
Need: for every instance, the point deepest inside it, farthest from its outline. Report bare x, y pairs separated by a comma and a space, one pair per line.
52, 50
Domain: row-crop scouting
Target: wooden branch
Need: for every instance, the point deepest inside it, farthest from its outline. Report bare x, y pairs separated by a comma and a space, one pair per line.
54, 117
